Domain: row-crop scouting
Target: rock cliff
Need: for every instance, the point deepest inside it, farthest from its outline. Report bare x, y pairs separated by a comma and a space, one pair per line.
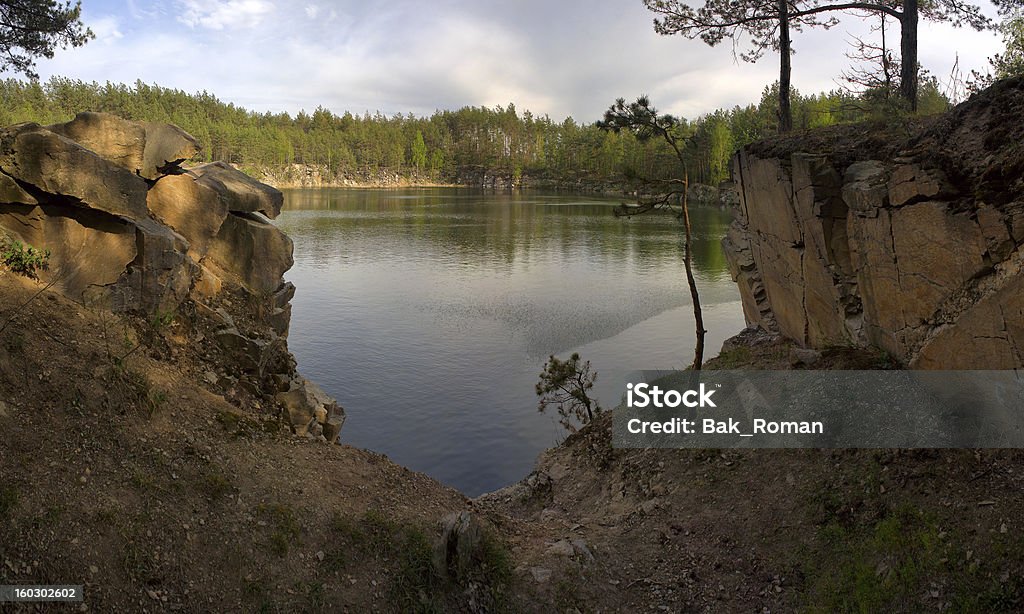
905, 238
130, 229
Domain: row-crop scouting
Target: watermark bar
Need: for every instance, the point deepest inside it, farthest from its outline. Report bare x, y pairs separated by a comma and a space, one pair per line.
42, 592
821, 409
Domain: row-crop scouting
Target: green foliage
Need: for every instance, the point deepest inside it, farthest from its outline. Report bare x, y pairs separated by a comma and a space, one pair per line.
419, 151
878, 568
565, 384
23, 259
499, 140
32, 29
1010, 63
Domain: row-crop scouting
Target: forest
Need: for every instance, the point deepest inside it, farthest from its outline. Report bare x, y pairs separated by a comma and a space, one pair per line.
502, 141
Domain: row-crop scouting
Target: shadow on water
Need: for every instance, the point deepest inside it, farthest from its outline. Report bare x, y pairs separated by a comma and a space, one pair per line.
429, 313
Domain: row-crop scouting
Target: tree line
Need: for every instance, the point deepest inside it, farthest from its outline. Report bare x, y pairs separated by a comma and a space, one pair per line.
442, 147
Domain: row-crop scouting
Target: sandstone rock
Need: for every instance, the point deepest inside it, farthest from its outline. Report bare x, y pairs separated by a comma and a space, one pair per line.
89, 251
145, 149
160, 277
11, 192
305, 401
240, 192
250, 251
910, 182
250, 355
167, 146
873, 255
804, 357
207, 284
61, 167
280, 320
191, 209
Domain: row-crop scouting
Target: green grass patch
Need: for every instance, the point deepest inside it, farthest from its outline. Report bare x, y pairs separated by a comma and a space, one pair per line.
407, 551
880, 567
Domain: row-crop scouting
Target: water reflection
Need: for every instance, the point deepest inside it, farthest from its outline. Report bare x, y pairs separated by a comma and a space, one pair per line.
428, 313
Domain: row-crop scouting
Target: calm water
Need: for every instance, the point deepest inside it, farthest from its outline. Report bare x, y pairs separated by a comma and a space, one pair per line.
429, 314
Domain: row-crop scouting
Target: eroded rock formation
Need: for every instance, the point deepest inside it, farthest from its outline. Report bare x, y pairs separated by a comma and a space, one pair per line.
132, 230
911, 244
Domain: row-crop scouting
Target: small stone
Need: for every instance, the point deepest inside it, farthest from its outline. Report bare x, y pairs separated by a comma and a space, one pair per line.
540, 574
320, 555
561, 548
803, 357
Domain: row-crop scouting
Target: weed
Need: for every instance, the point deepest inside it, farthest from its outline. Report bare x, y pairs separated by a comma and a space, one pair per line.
215, 486
734, 358
875, 568
23, 259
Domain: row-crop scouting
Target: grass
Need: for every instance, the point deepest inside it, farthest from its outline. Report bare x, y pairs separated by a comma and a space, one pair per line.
416, 584
215, 486
883, 567
285, 526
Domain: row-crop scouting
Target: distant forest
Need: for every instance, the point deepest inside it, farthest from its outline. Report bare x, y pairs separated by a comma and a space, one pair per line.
501, 141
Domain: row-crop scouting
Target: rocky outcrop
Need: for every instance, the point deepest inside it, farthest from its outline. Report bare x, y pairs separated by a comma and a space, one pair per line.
914, 248
130, 229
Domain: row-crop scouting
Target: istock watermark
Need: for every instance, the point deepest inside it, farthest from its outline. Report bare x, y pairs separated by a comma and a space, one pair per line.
822, 409
643, 395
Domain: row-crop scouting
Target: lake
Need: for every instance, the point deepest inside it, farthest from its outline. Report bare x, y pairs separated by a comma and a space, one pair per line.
429, 313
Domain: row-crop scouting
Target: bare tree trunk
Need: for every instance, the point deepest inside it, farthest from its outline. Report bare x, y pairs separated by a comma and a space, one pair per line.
698, 315
785, 69
908, 51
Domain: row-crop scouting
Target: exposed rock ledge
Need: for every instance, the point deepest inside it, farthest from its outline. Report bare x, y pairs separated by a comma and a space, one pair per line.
131, 230
908, 243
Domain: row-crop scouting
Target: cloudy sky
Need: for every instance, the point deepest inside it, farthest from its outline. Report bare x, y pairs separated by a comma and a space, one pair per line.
554, 57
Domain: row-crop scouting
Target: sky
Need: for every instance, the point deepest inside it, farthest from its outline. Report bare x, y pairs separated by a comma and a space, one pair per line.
554, 57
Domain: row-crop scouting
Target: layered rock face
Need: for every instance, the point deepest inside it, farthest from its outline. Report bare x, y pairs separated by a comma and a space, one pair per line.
913, 247
132, 230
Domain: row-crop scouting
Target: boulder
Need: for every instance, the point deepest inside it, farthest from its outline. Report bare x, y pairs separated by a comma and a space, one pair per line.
250, 251
241, 193
307, 405
148, 150
191, 209
160, 277
62, 168
251, 355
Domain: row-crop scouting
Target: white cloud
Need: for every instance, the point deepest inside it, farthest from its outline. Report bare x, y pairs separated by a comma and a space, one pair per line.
107, 29
575, 57
223, 14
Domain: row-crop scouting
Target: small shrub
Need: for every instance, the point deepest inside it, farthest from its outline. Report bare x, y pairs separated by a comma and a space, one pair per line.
24, 259
566, 385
